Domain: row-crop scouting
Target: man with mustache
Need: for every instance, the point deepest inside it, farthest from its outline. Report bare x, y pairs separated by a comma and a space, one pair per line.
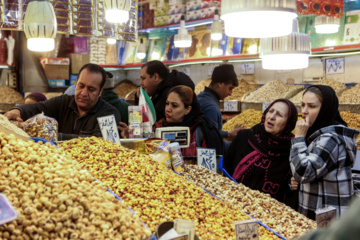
76, 115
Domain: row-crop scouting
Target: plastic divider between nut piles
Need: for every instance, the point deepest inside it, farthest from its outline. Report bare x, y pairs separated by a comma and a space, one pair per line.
262, 224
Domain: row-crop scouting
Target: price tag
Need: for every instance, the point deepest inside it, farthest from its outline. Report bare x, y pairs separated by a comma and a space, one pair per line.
206, 157
325, 216
231, 106
246, 230
185, 70
335, 66
109, 129
248, 68
265, 105
7, 212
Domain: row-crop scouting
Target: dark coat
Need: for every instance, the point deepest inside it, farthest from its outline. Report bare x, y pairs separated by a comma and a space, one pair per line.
111, 97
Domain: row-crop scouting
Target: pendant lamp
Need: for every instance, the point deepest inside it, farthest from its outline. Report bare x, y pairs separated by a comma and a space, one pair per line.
117, 11
326, 25
216, 27
258, 18
40, 26
183, 38
287, 52
111, 41
141, 52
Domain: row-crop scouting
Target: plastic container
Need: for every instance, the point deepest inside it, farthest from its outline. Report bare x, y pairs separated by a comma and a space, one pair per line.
135, 122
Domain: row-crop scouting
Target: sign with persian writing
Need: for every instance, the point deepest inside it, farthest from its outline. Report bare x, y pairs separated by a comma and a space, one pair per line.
206, 157
109, 129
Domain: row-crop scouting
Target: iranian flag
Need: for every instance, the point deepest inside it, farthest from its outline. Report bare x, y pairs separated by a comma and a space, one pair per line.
148, 109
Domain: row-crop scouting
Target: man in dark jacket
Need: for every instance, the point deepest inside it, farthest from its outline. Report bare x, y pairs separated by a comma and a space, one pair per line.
109, 96
157, 81
76, 115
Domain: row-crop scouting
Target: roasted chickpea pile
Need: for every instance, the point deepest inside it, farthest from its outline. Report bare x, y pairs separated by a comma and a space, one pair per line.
155, 193
55, 198
247, 118
239, 91
351, 95
353, 121
276, 215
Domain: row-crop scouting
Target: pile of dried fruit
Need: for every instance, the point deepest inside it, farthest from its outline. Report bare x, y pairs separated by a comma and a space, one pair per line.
155, 193
56, 199
270, 92
274, 214
351, 95
353, 121
124, 88
201, 86
9, 95
240, 90
247, 118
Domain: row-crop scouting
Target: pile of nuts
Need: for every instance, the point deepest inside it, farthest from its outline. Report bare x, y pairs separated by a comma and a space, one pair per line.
351, 95
336, 85
9, 95
247, 118
55, 198
155, 193
240, 90
201, 86
270, 92
353, 121
4, 122
279, 217
297, 98
124, 88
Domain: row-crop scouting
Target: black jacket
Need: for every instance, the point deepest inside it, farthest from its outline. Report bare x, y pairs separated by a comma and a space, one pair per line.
64, 110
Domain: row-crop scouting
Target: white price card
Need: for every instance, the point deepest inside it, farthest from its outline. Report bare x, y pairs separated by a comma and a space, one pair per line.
265, 105
335, 66
325, 216
206, 157
109, 129
231, 106
248, 68
246, 230
7, 212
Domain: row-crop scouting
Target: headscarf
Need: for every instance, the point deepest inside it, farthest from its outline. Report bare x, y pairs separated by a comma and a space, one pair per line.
268, 147
329, 111
38, 96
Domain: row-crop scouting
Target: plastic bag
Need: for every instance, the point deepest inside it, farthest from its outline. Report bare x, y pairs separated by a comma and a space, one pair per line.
159, 150
42, 126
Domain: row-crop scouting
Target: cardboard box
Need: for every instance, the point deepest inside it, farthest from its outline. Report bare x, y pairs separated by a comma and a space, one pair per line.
56, 82
177, 9
77, 61
55, 71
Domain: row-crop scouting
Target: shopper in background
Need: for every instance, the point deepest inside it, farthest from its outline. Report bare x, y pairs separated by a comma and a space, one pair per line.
157, 81
76, 115
109, 96
223, 81
345, 228
259, 157
70, 90
34, 98
323, 153
183, 109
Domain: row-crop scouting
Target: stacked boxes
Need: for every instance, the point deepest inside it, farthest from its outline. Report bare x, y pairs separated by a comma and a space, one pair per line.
176, 10
200, 9
148, 16
161, 13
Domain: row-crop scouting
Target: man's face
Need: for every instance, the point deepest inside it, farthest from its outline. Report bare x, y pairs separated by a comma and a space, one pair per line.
88, 91
225, 90
149, 83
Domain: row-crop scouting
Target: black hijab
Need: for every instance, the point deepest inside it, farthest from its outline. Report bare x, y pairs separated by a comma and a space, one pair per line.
329, 111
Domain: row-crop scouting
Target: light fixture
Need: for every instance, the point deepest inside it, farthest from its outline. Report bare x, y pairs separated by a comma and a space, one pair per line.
117, 11
216, 28
183, 38
326, 25
287, 52
40, 26
258, 19
253, 49
215, 52
111, 40
141, 52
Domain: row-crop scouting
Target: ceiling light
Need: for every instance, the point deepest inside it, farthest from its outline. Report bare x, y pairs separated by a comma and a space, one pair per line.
117, 11
40, 26
326, 25
111, 41
216, 28
287, 52
182, 39
258, 19
141, 52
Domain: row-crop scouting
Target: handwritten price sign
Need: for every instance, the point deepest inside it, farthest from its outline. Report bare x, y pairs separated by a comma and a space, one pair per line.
246, 230
7, 212
109, 129
231, 106
206, 157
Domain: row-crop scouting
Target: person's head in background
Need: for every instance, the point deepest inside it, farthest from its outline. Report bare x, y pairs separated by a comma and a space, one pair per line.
109, 82
34, 98
178, 103
89, 86
224, 80
152, 73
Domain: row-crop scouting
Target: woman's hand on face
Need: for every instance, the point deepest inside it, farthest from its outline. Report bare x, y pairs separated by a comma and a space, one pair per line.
302, 126
124, 130
294, 184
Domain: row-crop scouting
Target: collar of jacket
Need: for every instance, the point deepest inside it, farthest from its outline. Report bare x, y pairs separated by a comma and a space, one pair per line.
95, 109
212, 92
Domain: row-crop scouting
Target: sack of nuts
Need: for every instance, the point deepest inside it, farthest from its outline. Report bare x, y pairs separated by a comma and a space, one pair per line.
42, 126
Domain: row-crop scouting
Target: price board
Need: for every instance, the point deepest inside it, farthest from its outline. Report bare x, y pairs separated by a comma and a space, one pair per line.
109, 129
246, 230
206, 157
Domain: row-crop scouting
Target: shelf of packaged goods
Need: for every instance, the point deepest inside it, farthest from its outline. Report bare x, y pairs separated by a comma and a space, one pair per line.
342, 48
188, 24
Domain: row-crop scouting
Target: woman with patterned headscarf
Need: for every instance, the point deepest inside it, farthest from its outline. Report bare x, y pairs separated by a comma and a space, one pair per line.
259, 157
323, 153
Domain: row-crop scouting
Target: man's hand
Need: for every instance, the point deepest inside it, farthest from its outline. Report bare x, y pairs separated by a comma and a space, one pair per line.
294, 184
302, 126
14, 115
232, 134
124, 130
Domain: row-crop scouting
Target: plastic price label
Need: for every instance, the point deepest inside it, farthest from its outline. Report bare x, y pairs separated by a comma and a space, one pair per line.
246, 230
206, 157
7, 212
109, 129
